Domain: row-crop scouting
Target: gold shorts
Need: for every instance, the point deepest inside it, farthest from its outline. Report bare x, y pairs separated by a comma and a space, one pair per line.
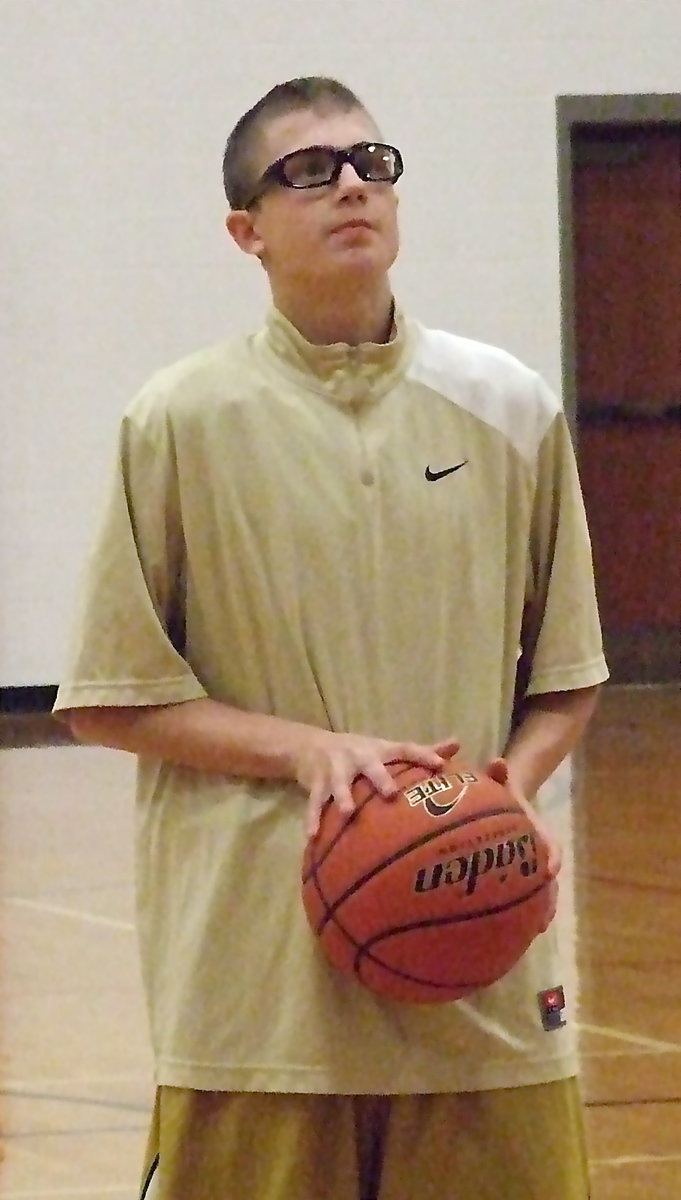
523, 1143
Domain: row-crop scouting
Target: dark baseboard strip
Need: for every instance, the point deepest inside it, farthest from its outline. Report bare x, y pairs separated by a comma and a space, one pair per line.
33, 699
20, 731
25, 718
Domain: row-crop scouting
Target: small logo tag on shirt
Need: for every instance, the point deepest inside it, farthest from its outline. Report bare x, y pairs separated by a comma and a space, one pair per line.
552, 1008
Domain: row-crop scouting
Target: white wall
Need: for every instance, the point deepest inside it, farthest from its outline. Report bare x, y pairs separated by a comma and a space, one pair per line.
113, 115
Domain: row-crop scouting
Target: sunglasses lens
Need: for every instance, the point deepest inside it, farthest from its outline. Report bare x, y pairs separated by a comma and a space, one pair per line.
378, 163
309, 168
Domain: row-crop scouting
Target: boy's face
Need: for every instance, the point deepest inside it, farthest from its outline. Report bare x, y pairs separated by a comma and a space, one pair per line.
302, 236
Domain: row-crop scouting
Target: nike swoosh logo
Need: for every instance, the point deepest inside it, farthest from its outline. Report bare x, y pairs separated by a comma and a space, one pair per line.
433, 475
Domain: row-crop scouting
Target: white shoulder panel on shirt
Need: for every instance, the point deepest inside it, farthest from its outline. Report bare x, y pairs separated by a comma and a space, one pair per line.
487, 382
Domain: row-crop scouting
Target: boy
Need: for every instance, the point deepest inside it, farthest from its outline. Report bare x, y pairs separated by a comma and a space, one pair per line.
343, 541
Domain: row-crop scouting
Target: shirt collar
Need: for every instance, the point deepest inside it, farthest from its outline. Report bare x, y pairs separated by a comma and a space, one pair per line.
350, 376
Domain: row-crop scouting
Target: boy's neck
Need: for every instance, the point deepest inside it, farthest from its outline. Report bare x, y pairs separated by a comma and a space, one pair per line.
353, 319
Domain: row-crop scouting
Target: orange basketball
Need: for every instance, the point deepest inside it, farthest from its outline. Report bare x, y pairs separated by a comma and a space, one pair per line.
432, 895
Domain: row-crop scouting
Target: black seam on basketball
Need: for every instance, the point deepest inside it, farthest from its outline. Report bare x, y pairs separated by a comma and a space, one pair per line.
430, 922
405, 850
365, 953
352, 817
346, 932
418, 979
369, 955
313, 878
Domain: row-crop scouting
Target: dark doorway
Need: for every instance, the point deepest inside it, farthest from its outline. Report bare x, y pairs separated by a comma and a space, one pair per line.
625, 258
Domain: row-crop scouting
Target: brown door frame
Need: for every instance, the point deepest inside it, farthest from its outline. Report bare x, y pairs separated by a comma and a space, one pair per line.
654, 109
652, 663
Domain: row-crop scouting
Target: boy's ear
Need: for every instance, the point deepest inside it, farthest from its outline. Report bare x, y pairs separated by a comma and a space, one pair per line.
240, 226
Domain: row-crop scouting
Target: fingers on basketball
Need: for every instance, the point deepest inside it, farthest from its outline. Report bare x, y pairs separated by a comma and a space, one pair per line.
317, 798
552, 905
498, 770
447, 749
378, 774
314, 814
340, 792
433, 757
555, 854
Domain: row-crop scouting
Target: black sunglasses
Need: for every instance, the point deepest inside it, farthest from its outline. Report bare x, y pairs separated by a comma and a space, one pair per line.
317, 166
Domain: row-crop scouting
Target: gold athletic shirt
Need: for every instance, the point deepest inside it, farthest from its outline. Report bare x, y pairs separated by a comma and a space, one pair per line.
285, 533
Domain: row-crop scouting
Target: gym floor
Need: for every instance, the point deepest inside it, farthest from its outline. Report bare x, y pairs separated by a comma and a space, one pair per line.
76, 1067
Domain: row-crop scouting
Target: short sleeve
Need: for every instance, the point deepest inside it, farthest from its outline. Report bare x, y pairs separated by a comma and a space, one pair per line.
562, 646
127, 645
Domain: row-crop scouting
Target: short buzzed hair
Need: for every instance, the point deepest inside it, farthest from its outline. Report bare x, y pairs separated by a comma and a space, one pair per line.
312, 92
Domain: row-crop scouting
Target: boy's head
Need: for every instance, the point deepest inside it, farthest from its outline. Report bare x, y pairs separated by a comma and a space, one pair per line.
241, 163
319, 217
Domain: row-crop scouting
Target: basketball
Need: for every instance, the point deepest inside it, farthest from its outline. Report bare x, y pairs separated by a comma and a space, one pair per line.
430, 896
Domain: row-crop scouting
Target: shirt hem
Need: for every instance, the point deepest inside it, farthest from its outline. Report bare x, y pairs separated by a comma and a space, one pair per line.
128, 694
568, 679
318, 1081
